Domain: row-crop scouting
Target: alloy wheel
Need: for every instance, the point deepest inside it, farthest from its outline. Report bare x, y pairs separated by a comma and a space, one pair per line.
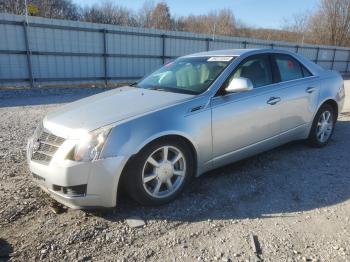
324, 126
164, 172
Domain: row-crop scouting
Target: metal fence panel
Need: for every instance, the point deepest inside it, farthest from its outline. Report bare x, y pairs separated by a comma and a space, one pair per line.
222, 45
180, 47
13, 66
12, 37
61, 51
134, 45
58, 40
340, 66
49, 66
131, 68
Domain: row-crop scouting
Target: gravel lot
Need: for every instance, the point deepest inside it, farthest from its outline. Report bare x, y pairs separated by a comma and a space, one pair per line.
294, 199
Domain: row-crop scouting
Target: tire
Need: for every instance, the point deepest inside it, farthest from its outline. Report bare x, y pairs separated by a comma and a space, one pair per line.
315, 138
148, 174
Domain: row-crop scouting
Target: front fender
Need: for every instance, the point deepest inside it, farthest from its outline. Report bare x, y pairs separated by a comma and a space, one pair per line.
130, 137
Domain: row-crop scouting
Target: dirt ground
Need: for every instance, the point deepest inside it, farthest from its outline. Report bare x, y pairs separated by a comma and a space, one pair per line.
294, 200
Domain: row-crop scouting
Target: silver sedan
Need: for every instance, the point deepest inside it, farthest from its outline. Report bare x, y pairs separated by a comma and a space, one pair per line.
194, 114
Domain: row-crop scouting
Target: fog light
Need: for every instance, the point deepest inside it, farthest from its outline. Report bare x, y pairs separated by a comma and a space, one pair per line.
73, 191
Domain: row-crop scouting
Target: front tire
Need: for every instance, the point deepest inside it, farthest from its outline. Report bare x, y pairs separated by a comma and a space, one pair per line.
322, 126
159, 172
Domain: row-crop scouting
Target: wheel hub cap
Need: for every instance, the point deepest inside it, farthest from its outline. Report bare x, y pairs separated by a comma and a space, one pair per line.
164, 171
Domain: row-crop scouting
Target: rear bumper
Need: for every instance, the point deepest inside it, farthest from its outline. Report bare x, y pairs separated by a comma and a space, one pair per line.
98, 181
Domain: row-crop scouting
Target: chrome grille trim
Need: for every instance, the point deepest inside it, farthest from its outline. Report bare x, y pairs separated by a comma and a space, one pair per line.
47, 137
49, 144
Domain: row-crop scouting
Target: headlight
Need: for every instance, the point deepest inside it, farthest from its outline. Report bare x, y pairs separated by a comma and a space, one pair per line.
91, 145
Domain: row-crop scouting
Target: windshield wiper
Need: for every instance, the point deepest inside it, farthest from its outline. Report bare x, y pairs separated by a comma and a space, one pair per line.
159, 88
174, 90
170, 89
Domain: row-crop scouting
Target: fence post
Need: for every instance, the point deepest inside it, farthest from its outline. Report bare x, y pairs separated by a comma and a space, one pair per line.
244, 44
104, 32
163, 48
28, 53
348, 62
334, 51
208, 43
317, 53
272, 45
296, 48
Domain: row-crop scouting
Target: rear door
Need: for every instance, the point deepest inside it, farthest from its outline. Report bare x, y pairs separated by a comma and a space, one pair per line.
299, 93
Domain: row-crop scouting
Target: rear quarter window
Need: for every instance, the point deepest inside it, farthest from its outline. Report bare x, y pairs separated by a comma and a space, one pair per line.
306, 72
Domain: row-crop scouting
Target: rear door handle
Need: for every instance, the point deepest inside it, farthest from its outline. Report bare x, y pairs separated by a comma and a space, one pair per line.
310, 90
273, 100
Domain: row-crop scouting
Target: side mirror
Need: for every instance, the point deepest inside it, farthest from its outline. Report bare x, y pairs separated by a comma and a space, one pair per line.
239, 84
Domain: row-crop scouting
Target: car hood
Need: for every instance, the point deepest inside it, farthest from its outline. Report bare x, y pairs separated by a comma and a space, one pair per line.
106, 108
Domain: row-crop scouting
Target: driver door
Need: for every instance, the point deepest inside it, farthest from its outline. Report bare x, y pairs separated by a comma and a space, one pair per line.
246, 122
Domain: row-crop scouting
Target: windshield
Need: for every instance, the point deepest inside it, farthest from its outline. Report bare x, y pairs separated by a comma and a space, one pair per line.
191, 75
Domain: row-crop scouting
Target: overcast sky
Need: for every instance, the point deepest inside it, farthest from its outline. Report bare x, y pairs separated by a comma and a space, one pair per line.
259, 13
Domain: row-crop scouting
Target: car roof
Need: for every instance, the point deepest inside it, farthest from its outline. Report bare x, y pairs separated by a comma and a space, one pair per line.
314, 68
226, 52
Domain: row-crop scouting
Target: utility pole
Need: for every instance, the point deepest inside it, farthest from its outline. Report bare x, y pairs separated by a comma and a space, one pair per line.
26, 10
214, 31
29, 59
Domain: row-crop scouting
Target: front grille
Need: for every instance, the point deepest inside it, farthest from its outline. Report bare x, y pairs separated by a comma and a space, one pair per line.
48, 145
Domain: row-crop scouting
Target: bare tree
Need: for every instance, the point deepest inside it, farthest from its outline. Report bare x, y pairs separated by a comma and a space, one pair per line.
331, 23
15, 6
298, 26
144, 14
63, 9
297, 23
159, 17
220, 22
225, 22
109, 13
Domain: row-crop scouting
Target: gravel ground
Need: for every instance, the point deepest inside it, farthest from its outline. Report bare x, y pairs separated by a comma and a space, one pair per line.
294, 200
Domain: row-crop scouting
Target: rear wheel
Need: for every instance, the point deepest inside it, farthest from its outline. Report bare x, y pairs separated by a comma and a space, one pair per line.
322, 127
159, 172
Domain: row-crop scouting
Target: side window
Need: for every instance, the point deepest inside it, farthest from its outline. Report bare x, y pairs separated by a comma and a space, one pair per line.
288, 67
257, 69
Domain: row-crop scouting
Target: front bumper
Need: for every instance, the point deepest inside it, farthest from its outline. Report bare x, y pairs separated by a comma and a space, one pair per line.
100, 178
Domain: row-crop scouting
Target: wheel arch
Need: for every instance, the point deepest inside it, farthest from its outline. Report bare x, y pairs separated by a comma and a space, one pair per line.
156, 138
332, 103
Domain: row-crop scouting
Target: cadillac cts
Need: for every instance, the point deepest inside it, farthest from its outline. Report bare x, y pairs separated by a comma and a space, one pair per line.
194, 114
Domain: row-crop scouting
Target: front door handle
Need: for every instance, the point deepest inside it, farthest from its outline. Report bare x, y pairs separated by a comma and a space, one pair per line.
273, 100
310, 90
